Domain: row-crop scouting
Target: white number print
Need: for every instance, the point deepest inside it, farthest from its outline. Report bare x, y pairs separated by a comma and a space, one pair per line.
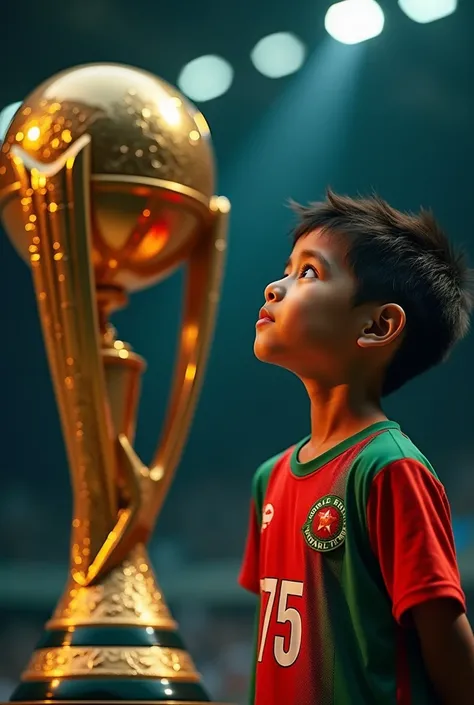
288, 588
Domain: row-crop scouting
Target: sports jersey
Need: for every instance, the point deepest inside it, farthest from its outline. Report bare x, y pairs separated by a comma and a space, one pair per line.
340, 549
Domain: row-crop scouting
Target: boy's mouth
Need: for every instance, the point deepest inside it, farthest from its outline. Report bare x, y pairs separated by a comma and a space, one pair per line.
264, 317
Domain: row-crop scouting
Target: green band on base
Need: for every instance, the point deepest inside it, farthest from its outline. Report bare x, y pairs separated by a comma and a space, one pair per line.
98, 689
111, 636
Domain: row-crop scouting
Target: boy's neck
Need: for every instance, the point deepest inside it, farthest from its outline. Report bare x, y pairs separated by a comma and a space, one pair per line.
337, 414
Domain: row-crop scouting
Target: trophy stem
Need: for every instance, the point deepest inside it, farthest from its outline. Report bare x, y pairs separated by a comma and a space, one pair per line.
109, 299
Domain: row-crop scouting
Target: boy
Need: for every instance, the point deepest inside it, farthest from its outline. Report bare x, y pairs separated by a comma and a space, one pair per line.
350, 545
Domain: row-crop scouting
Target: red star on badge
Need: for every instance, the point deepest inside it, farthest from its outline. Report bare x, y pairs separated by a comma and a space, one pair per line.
325, 520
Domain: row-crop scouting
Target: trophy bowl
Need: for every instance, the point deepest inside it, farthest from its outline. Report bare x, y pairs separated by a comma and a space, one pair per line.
152, 167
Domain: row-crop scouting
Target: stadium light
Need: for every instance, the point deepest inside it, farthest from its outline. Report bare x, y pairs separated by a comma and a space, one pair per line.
6, 117
278, 54
424, 11
206, 78
354, 21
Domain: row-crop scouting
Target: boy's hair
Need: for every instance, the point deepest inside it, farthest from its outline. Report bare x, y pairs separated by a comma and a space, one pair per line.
405, 259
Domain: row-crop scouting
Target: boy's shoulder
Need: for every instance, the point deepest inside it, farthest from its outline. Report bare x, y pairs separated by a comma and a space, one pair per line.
390, 451
386, 448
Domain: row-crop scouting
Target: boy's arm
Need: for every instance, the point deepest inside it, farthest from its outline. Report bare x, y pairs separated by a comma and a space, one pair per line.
249, 579
409, 523
447, 644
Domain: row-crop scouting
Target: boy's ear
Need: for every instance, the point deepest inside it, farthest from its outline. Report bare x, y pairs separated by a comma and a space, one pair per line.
387, 324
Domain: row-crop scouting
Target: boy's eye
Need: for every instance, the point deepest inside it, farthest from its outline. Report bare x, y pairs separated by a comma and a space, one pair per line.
308, 272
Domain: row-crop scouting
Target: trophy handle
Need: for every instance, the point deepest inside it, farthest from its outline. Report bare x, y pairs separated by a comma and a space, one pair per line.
65, 290
148, 486
204, 276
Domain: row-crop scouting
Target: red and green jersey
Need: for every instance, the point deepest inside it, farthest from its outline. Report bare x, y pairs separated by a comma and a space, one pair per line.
339, 550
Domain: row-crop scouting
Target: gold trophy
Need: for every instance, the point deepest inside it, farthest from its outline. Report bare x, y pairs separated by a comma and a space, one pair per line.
106, 186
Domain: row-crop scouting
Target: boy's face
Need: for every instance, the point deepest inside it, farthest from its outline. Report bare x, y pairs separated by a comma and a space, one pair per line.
315, 327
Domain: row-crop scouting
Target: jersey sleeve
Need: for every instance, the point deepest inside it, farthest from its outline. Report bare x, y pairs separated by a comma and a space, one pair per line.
410, 531
249, 577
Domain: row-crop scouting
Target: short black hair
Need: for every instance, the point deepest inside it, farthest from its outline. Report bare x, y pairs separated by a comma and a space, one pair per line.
402, 258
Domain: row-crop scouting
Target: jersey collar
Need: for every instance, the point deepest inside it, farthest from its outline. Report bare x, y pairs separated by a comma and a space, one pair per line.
303, 469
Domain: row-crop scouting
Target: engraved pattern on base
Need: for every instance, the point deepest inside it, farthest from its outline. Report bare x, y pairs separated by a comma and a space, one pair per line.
142, 661
128, 595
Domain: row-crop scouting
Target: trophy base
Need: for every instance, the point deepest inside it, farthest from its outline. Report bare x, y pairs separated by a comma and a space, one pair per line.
112, 642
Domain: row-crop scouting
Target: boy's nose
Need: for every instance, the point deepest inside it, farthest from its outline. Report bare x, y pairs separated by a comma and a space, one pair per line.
274, 292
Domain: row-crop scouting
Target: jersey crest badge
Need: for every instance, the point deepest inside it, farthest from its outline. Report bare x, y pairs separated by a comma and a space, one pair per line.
325, 527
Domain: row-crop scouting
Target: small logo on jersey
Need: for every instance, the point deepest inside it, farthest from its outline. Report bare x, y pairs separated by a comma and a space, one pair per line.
325, 527
267, 516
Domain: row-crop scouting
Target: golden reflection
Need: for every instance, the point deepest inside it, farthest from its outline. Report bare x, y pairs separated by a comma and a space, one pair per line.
190, 372
33, 133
